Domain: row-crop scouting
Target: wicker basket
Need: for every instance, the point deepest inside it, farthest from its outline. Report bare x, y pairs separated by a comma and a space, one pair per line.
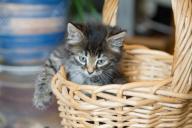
157, 97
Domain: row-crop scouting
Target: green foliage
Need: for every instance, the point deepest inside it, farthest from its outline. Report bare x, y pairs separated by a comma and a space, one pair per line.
2, 121
79, 9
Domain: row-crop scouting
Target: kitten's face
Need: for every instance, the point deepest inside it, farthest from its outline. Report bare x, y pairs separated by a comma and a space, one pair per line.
95, 49
92, 64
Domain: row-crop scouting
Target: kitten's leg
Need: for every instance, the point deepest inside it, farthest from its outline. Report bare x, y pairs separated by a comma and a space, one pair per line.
43, 92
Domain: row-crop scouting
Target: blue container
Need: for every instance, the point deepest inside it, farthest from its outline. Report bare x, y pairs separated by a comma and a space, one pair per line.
31, 29
48, 2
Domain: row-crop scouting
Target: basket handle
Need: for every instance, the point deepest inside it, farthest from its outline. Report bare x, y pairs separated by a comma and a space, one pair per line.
182, 64
110, 12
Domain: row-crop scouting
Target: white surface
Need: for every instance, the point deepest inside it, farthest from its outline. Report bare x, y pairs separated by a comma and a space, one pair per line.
20, 69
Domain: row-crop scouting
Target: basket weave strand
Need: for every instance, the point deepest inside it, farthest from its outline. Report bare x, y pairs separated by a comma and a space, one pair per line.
182, 66
110, 12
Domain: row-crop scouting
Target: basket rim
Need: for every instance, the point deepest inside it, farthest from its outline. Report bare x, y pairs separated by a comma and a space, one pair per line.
159, 93
157, 87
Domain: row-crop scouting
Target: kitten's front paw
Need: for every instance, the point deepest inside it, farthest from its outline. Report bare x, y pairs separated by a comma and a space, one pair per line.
42, 101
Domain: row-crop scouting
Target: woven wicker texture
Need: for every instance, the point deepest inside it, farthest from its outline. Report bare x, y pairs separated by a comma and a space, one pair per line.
110, 12
140, 63
152, 100
182, 68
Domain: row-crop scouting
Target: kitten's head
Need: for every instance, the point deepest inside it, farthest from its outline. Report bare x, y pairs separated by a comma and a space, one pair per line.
95, 48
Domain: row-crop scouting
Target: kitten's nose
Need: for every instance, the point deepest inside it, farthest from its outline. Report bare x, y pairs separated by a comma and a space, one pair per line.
90, 72
90, 69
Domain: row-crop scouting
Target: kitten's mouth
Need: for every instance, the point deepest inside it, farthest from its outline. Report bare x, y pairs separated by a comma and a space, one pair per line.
90, 75
93, 74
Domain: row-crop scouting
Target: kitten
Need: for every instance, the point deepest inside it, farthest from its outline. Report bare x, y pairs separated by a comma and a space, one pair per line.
90, 55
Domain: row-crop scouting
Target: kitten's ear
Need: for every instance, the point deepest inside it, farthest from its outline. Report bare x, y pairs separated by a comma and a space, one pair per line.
75, 35
116, 41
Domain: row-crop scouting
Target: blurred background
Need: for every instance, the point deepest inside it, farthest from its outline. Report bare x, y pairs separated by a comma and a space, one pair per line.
31, 29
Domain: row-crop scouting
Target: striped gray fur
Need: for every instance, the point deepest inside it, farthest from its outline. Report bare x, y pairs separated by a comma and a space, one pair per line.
90, 55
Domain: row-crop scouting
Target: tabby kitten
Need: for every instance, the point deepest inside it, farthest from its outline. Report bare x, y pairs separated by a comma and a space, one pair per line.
90, 55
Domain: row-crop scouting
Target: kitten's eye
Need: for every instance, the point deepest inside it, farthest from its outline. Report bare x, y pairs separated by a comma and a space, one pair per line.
82, 59
100, 62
